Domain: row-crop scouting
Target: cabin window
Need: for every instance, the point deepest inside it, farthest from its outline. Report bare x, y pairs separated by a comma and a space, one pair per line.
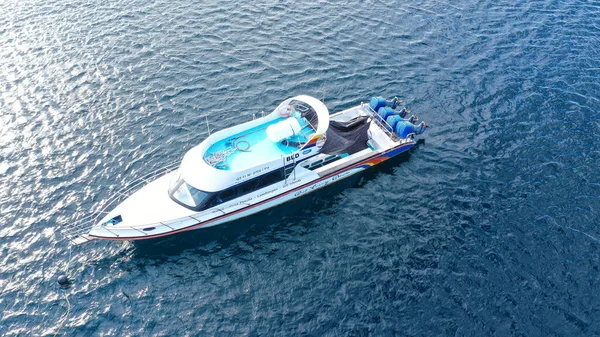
224, 196
185, 194
193, 198
268, 179
189, 196
247, 187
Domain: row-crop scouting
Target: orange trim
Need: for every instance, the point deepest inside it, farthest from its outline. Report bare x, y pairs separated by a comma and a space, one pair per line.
313, 140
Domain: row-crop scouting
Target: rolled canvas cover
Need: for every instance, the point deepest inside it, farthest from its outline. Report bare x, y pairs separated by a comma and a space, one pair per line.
284, 129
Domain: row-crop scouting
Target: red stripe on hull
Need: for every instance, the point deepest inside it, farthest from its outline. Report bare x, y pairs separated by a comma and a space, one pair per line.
369, 161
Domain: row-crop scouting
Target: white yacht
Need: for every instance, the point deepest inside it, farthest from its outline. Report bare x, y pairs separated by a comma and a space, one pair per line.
295, 150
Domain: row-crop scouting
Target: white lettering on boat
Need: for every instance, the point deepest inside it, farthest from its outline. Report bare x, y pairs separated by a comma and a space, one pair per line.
252, 174
322, 183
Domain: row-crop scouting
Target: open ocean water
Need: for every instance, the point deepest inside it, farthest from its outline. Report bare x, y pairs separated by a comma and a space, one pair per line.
488, 228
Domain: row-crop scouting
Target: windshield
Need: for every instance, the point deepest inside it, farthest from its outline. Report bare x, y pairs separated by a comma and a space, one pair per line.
186, 194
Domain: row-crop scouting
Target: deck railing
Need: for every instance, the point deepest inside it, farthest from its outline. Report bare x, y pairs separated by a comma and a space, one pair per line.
77, 229
384, 125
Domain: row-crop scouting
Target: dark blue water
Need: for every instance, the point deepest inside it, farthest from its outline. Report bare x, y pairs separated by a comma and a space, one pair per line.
488, 228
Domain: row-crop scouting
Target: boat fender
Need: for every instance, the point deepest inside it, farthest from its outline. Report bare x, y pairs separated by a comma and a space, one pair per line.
385, 112
62, 280
377, 102
404, 128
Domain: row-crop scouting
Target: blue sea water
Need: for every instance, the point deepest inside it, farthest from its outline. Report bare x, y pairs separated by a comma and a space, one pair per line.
488, 228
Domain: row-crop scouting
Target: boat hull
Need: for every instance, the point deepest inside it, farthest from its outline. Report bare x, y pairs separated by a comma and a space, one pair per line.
273, 201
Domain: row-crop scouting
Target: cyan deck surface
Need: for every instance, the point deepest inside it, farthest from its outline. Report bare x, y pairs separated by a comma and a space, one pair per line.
251, 147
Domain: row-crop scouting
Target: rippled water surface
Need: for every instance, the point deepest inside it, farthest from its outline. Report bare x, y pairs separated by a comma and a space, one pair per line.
488, 228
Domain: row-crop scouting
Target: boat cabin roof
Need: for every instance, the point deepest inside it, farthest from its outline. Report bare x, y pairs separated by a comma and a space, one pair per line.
247, 150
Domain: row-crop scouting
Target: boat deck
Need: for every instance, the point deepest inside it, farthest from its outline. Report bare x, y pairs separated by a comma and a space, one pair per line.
251, 147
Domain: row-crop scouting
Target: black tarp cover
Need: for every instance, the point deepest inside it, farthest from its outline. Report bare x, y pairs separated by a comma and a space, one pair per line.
347, 137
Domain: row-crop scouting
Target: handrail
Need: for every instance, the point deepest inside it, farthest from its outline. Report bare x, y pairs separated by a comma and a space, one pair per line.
128, 189
76, 231
82, 226
383, 124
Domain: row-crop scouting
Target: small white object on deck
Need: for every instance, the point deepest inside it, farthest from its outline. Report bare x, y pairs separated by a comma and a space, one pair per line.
286, 128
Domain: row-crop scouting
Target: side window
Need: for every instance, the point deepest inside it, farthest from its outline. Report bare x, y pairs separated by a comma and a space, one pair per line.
269, 179
226, 195
234, 192
247, 187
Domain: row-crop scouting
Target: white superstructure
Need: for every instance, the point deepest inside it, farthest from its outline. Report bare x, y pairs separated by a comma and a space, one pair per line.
250, 167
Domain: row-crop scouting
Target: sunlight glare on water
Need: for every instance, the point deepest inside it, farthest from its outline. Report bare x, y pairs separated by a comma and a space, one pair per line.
488, 228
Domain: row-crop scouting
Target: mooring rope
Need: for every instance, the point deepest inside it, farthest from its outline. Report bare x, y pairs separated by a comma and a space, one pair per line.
66, 315
66, 285
69, 260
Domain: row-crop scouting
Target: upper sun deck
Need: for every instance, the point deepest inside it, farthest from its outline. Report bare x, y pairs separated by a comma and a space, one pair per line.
281, 133
250, 147
230, 156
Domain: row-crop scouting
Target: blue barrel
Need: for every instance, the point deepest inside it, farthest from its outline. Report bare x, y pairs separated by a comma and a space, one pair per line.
385, 112
376, 103
393, 120
404, 128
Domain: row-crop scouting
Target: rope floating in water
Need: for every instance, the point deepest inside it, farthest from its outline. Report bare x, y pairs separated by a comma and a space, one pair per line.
66, 315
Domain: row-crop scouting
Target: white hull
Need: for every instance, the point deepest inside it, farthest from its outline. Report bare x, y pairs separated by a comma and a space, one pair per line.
151, 213
261, 200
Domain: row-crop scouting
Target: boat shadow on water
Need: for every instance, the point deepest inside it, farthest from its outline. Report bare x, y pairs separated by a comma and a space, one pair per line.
257, 227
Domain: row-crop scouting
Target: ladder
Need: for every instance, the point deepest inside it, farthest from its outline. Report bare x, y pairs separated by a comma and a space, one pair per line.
289, 168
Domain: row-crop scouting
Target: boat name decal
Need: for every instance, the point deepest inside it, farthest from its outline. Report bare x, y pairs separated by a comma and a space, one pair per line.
246, 201
267, 192
294, 156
